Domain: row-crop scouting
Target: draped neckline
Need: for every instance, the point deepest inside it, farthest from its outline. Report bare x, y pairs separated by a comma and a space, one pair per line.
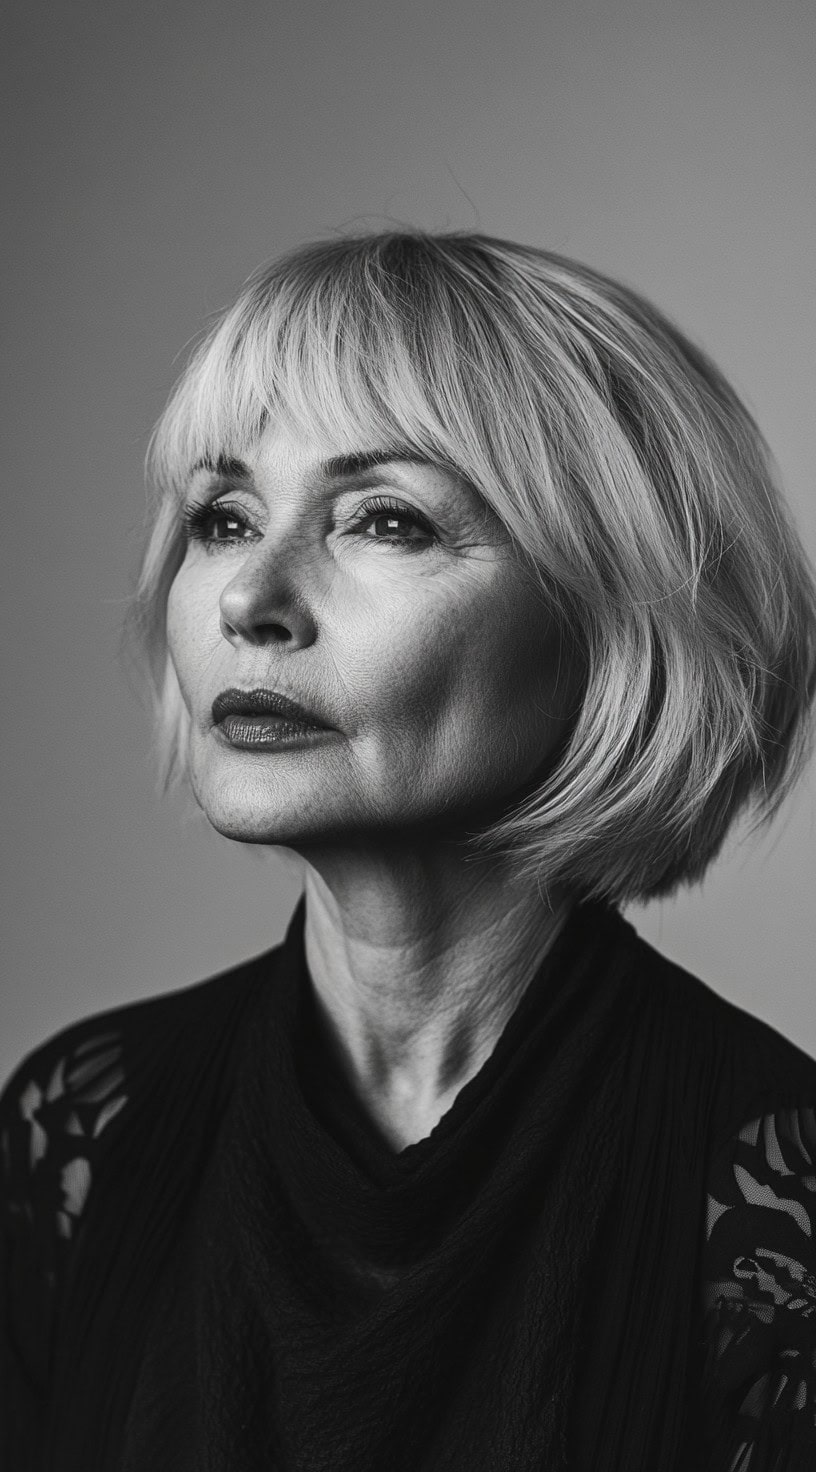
332, 1099
352, 1188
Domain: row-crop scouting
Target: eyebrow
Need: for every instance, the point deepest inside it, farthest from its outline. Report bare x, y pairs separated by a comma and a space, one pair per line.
337, 467
340, 466
225, 465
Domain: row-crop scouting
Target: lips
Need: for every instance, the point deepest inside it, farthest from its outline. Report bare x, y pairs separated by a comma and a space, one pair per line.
260, 704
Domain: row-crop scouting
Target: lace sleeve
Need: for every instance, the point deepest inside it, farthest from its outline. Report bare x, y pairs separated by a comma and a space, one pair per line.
759, 1271
53, 1113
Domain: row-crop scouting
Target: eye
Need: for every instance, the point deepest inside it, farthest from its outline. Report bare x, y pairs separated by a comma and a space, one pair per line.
216, 522
382, 520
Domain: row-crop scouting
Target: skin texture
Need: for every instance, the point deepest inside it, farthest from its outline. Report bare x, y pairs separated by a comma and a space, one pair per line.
428, 651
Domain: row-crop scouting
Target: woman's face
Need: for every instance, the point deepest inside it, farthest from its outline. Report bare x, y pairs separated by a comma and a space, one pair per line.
387, 600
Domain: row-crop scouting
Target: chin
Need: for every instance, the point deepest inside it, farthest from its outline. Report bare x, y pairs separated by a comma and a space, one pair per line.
243, 827
261, 798
249, 808
248, 817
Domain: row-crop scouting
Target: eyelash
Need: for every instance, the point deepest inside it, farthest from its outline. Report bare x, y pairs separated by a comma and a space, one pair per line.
378, 506
198, 517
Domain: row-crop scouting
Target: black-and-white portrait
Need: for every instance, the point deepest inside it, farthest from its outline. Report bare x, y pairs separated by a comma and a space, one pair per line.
408, 1039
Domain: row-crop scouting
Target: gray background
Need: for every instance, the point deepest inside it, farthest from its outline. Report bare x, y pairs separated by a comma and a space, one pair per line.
159, 152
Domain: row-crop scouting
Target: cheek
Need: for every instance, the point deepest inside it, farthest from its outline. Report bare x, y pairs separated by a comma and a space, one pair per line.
404, 662
479, 694
534, 691
449, 677
193, 629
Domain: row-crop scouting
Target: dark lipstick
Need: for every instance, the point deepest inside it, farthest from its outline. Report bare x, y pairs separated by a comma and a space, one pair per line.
264, 718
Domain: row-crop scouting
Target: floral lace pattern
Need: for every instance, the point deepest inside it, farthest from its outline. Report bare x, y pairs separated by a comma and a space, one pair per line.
760, 1294
49, 1138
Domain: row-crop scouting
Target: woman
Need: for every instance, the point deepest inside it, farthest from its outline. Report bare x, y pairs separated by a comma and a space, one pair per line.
469, 585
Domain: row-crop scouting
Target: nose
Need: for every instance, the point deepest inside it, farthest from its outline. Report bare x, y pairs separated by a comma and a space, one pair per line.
261, 605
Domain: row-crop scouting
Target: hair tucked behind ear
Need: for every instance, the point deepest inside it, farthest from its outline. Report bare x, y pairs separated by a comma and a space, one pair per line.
626, 470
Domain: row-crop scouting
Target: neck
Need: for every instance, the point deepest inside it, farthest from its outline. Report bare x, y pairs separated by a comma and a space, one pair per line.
418, 958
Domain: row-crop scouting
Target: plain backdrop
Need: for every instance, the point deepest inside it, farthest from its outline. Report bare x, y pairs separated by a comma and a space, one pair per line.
154, 155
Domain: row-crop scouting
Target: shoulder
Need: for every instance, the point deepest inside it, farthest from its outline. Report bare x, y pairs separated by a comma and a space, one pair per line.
64, 1095
755, 1139
72, 1108
752, 1068
87, 1119
53, 1112
85, 1059
740, 1101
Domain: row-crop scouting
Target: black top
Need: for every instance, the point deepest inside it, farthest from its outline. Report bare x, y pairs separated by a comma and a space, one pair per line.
602, 1257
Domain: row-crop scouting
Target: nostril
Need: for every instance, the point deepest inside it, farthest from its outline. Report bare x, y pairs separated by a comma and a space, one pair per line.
255, 632
274, 633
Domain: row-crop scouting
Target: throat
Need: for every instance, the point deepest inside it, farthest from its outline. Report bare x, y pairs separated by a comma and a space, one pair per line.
402, 1099
404, 1118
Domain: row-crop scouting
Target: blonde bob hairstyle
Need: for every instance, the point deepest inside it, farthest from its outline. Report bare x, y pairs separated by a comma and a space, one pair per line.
630, 477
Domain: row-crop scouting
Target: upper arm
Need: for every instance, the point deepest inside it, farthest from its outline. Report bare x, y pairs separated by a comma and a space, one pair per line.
53, 1114
759, 1286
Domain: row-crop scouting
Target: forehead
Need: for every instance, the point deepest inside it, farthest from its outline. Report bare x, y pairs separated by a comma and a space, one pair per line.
279, 452
257, 395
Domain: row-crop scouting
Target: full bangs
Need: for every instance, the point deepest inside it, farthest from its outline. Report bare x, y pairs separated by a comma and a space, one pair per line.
317, 345
402, 342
